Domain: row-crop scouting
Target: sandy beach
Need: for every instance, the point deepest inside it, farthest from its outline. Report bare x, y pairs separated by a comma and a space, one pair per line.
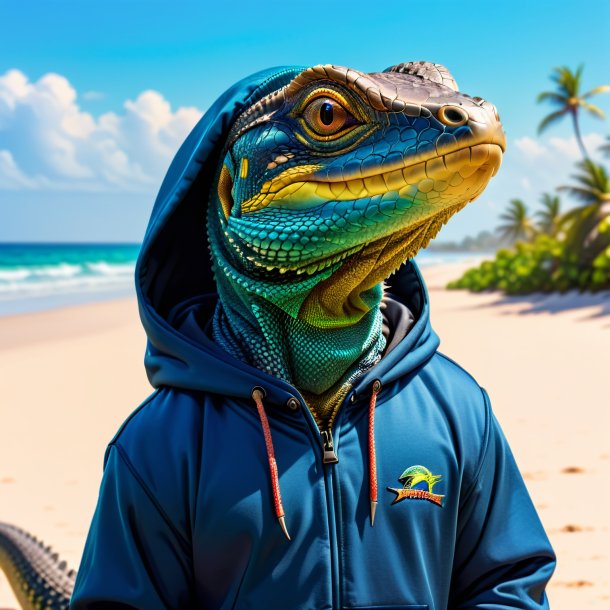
69, 377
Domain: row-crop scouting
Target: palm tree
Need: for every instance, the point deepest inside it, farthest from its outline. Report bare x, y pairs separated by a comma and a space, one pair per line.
569, 101
592, 188
517, 223
550, 214
605, 148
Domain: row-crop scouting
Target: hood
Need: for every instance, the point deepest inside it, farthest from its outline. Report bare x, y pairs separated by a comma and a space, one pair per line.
175, 285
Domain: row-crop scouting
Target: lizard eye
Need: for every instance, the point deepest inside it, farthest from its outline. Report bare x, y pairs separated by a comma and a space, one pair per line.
327, 117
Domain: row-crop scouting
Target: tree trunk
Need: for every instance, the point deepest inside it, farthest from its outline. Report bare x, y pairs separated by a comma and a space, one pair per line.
581, 145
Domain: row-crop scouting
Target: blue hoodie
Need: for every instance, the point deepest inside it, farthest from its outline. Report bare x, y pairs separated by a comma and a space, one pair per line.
185, 517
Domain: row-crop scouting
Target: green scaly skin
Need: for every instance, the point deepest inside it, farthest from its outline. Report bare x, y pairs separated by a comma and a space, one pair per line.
327, 186
304, 232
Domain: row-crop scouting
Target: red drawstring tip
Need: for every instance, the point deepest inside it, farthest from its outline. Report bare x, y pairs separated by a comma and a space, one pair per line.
257, 396
372, 456
283, 526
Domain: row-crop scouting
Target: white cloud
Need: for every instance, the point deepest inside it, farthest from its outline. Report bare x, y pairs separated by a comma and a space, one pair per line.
11, 175
548, 149
569, 146
529, 147
48, 142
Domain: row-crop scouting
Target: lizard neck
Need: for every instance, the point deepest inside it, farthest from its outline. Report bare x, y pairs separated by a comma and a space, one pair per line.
322, 363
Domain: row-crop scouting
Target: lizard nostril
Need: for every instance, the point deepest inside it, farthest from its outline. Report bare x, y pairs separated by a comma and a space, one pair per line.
452, 115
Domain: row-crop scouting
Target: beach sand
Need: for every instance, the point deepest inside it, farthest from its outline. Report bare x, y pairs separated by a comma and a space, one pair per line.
68, 378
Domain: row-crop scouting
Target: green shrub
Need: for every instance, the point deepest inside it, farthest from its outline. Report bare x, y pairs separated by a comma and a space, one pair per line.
600, 275
543, 265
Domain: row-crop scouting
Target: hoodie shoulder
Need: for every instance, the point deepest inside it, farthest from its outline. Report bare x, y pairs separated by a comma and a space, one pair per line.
466, 408
455, 382
451, 365
160, 443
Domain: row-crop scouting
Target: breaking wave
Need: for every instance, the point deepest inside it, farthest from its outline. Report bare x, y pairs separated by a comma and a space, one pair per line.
36, 271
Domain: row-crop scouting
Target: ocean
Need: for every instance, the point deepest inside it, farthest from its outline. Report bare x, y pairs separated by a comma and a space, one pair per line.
36, 277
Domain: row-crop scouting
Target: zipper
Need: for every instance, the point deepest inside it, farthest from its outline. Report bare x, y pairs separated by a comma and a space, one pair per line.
329, 456
333, 533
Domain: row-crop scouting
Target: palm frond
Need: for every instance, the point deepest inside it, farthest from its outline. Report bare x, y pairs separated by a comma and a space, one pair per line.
552, 97
517, 223
548, 217
584, 194
594, 110
568, 99
596, 90
592, 188
550, 119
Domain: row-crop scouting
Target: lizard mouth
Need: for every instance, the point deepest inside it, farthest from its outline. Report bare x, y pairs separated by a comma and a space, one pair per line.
447, 167
425, 194
427, 174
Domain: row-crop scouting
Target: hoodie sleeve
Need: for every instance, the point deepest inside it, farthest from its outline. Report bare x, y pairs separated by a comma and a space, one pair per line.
134, 558
503, 558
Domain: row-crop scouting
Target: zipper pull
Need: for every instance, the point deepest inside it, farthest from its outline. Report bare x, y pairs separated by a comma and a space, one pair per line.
329, 457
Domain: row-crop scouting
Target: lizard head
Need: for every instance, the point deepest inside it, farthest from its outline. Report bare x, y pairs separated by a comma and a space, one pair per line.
330, 183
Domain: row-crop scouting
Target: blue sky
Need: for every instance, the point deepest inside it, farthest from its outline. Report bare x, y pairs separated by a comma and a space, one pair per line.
82, 151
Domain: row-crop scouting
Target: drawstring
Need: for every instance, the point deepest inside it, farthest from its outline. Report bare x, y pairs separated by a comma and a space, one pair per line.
372, 456
257, 396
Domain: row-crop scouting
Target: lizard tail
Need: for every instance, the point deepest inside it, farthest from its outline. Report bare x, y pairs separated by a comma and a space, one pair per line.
39, 579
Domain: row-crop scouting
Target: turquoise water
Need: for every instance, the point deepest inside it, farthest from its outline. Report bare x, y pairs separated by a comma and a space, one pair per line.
35, 277
45, 276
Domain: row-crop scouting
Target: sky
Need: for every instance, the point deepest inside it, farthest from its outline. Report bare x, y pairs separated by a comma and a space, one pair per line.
96, 97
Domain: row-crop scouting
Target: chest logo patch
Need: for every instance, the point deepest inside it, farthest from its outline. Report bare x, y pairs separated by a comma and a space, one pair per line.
417, 483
